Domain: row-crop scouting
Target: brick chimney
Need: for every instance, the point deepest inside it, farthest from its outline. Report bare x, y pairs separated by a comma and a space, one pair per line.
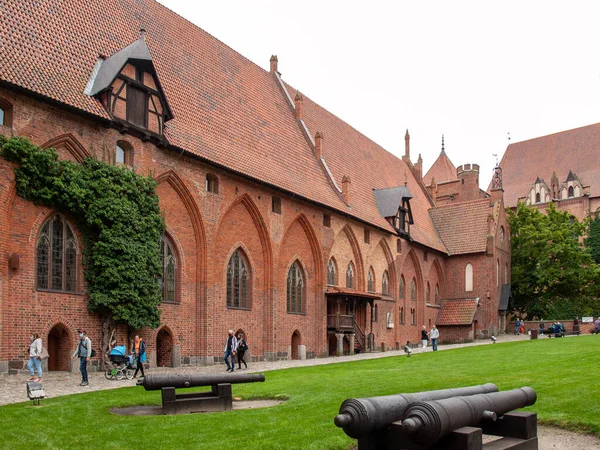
418, 169
433, 189
273, 61
346, 189
299, 101
318, 144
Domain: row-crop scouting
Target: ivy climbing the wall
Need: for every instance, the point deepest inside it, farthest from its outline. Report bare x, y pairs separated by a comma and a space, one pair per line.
118, 215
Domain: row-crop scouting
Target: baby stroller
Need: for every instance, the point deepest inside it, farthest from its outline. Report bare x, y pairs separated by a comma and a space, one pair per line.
122, 364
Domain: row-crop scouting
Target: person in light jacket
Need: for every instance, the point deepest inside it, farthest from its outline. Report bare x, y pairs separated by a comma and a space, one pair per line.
35, 357
230, 348
434, 334
83, 352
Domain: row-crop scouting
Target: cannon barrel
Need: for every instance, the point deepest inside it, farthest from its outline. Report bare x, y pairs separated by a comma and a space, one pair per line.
427, 422
360, 416
156, 381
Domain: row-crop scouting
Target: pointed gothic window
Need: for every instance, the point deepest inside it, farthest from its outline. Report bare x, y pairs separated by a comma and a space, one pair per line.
237, 281
427, 293
413, 289
437, 294
384, 283
331, 273
350, 276
56, 256
401, 315
168, 282
401, 289
295, 289
570, 191
370, 277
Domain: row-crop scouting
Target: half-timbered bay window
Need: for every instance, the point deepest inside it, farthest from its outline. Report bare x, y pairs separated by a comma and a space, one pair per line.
128, 86
238, 281
56, 256
394, 205
295, 289
168, 283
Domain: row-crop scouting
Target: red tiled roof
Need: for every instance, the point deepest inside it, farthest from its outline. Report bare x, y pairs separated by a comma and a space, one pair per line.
226, 109
338, 290
575, 150
463, 227
458, 312
441, 170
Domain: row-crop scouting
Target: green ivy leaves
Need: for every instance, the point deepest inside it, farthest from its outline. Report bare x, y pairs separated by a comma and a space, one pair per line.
117, 213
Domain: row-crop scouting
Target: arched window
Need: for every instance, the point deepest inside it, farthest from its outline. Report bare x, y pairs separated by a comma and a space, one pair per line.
437, 294
331, 273
370, 277
238, 281
374, 313
295, 289
384, 283
570, 191
401, 288
413, 316
212, 183
469, 277
350, 276
427, 293
168, 282
57, 256
505, 273
413, 289
401, 315
124, 153
497, 272
5, 113
537, 197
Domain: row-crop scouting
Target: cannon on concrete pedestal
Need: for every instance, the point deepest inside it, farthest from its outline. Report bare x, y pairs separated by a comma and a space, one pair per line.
219, 398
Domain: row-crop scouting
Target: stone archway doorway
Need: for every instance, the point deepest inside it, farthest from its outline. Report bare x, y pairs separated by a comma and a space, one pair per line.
59, 349
164, 348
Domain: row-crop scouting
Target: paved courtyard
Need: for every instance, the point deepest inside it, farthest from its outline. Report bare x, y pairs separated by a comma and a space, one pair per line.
12, 387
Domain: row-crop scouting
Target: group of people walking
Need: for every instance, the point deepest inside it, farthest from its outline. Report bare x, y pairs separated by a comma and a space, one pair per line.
83, 351
235, 346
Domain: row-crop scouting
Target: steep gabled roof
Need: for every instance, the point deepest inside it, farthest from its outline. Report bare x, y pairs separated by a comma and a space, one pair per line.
573, 150
227, 110
441, 170
458, 312
463, 227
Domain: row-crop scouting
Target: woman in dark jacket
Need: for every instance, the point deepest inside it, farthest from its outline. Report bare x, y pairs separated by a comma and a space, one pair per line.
241, 351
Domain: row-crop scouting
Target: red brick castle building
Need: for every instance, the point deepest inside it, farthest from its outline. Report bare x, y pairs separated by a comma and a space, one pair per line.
282, 221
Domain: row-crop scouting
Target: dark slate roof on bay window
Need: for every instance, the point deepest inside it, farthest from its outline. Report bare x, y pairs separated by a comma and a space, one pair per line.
505, 297
390, 199
571, 176
111, 67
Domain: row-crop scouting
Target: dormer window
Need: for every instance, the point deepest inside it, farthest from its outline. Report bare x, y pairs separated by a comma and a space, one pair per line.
127, 85
394, 205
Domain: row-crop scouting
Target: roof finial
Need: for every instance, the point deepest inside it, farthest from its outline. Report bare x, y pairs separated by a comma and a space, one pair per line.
443, 151
143, 34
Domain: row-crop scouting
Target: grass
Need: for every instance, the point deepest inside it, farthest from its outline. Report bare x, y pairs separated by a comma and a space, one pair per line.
562, 371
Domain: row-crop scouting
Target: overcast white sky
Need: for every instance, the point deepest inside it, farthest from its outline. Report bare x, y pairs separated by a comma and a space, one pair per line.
473, 71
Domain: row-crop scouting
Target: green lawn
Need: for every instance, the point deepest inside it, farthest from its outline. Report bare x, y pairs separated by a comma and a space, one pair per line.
562, 371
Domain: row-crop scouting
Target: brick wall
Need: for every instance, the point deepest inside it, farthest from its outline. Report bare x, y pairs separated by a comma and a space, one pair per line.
205, 229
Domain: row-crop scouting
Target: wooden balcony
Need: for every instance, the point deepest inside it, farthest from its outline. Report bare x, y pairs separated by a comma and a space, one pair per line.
340, 322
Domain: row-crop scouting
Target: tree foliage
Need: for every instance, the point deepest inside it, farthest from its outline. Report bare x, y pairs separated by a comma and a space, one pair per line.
553, 274
118, 215
593, 239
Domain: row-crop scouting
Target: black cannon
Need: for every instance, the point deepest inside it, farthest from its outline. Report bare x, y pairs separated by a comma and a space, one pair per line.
428, 422
217, 399
451, 419
360, 416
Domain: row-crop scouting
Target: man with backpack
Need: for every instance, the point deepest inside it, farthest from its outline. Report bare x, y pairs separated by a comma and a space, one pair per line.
84, 352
